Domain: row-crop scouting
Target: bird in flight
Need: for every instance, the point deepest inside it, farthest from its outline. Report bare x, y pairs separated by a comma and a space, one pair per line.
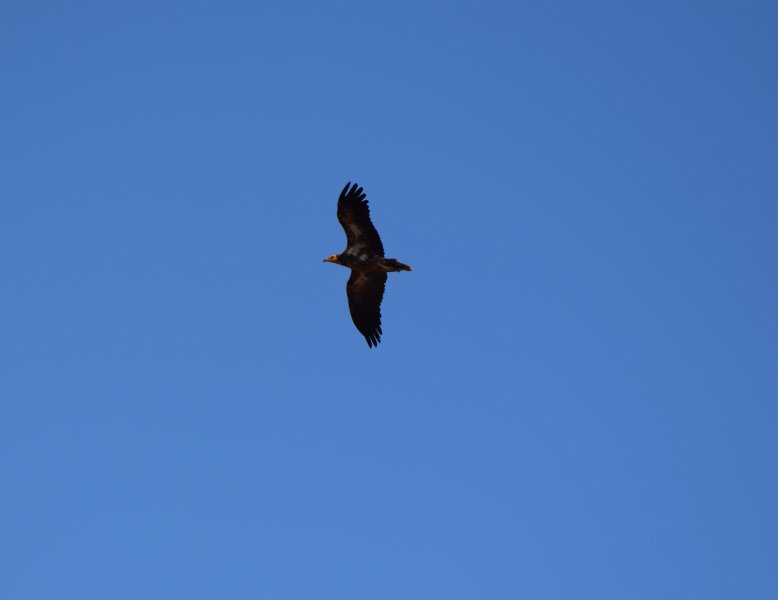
364, 255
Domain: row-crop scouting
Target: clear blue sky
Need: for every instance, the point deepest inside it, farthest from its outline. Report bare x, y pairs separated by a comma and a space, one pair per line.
576, 392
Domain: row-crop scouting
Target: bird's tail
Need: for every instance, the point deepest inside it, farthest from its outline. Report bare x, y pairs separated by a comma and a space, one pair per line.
396, 265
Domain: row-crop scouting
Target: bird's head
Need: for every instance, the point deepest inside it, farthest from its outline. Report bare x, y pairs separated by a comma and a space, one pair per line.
333, 259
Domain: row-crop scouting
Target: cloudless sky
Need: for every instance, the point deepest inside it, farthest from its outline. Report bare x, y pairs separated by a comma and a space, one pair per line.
575, 396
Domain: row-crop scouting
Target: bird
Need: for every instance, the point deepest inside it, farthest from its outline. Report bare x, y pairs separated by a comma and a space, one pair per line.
364, 255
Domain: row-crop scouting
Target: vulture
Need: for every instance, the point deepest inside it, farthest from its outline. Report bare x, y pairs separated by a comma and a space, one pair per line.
364, 255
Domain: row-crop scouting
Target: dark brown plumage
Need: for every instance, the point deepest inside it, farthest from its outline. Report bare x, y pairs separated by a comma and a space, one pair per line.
364, 255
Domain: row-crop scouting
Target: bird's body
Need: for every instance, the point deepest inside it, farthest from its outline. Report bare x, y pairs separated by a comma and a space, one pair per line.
364, 255
370, 263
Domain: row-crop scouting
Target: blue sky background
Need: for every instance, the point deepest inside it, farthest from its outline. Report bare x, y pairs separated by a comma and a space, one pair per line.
576, 392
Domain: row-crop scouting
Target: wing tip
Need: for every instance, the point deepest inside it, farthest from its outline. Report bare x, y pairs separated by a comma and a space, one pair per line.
353, 190
373, 338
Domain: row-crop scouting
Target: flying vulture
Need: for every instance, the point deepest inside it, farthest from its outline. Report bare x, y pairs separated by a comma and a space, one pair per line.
364, 255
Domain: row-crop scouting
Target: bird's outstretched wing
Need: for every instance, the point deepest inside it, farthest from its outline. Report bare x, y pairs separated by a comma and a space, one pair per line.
354, 215
365, 292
